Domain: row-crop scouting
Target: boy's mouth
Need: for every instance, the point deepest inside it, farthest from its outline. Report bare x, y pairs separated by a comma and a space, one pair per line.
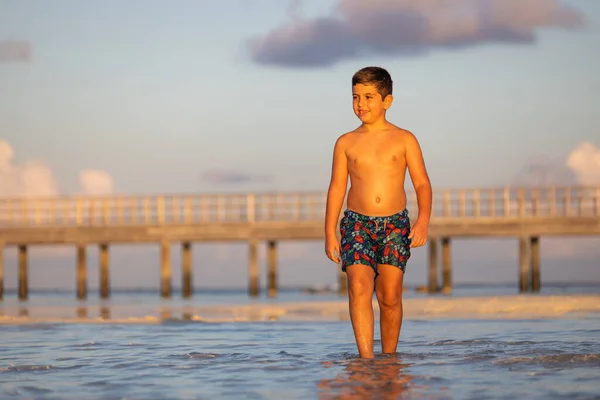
362, 112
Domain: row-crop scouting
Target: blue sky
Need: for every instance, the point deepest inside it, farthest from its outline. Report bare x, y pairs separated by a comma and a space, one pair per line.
157, 98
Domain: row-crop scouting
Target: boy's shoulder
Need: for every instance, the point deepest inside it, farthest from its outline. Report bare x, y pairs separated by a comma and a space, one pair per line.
404, 136
400, 132
346, 137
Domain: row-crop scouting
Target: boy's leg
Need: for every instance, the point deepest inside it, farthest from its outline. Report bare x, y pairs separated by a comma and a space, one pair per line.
360, 299
393, 254
358, 261
389, 296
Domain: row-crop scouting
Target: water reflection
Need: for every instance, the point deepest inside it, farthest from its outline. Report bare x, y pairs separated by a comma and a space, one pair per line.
384, 377
82, 312
105, 312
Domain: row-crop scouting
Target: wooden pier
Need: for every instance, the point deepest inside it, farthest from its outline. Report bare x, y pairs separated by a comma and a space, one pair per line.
525, 213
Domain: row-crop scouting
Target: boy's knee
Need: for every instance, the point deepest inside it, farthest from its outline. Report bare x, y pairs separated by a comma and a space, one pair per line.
360, 287
389, 299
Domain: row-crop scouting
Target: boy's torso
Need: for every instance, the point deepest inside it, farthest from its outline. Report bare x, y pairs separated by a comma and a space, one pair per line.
377, 168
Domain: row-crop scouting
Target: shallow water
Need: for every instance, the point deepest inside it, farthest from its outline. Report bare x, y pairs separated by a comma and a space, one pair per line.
175, 359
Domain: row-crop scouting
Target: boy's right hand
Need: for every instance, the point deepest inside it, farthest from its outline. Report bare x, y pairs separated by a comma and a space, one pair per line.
332, 248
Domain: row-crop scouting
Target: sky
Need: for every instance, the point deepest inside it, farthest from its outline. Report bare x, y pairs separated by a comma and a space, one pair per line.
246, 96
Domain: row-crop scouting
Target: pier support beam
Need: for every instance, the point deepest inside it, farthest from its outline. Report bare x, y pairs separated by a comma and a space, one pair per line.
535, 264
1, 271
524, 262
186, 273
23, 284
104, 272
446, 266
165, 269
253, 269
81, 272
432, 286
272, 268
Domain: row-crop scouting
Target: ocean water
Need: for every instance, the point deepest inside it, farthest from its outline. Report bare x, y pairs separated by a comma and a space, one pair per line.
178, 358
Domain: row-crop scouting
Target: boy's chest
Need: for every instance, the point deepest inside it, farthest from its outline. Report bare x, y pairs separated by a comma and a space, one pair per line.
367, 154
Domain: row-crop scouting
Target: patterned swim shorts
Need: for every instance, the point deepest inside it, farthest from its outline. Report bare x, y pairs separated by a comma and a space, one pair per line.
375, 240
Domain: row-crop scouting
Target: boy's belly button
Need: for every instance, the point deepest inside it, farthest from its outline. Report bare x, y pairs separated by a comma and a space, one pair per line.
377, 199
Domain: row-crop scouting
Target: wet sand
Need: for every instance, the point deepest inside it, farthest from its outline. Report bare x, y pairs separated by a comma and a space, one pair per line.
517, 307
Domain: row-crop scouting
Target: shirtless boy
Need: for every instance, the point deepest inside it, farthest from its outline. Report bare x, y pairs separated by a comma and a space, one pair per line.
376, 234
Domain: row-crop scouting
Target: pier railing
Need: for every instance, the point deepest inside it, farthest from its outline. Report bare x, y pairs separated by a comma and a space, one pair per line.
115, 210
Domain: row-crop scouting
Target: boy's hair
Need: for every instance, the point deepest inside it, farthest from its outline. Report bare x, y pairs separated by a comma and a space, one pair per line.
375, 76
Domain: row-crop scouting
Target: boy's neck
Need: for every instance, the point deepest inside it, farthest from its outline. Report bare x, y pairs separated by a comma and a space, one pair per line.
375, 126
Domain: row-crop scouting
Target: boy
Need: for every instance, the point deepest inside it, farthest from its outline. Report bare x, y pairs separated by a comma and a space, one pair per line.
376, 235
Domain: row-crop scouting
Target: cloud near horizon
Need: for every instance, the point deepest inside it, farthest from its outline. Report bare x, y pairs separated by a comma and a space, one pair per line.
232, 177
584, 161
96, 182
542, 171
404, 28
15, 51
581, 167
36, 178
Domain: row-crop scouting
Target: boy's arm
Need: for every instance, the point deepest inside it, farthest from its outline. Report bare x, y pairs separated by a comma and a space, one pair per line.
420, 179
337, 188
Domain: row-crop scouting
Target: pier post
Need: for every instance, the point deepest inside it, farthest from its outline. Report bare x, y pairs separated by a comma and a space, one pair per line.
165, 269
1, 271
23, 284
524, 262
535, 264
432, 286
272, 268
104, 272
81, 272
446, 266
253, 269
186, 273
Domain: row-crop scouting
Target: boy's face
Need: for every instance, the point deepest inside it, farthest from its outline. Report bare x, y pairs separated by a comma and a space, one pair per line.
368, 104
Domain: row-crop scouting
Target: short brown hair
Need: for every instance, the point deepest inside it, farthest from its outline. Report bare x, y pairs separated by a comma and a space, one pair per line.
375, 76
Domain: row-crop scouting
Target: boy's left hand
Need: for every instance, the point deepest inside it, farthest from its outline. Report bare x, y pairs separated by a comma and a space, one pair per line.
418, 234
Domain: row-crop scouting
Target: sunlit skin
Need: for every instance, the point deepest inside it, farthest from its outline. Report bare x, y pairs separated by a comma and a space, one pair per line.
375, 156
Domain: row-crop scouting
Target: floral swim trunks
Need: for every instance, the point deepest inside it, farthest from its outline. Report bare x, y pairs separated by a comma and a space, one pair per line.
375, 240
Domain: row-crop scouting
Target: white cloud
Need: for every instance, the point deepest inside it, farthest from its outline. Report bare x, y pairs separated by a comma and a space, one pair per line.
36, 178
96, 182
6, 156
584, 161
33, 178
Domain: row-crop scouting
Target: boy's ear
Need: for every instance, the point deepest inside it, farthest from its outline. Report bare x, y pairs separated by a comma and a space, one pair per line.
387, 102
